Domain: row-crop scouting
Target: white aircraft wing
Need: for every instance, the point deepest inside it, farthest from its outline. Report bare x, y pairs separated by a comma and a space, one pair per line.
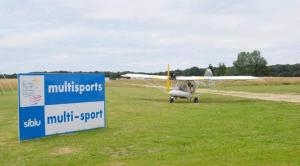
145, 76
189, 78
215, 78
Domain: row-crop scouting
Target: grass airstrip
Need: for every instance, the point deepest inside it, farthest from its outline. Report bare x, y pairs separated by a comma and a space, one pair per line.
276, 89
144, 129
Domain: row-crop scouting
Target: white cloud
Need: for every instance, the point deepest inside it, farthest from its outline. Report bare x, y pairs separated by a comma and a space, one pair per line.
36, 37
129, 35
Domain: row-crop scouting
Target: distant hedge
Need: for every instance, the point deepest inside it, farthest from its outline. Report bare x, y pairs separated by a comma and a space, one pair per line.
273, 71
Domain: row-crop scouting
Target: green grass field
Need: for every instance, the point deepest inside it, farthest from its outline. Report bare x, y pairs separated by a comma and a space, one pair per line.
144, 129
277, 89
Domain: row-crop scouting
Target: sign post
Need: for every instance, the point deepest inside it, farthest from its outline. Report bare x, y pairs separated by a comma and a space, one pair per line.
60, 103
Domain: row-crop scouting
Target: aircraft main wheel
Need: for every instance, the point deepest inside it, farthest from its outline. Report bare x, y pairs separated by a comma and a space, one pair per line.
172, 99
196, 100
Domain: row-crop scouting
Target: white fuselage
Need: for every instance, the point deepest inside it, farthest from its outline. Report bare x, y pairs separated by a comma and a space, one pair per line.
180, 93
183, 89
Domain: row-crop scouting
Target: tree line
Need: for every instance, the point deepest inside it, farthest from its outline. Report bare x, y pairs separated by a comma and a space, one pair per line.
247, 63
222, 70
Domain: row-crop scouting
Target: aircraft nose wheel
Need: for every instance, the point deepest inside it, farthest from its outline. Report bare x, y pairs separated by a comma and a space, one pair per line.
172, 99
196, 100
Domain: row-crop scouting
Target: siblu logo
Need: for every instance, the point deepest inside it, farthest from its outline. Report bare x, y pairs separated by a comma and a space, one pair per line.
32, 123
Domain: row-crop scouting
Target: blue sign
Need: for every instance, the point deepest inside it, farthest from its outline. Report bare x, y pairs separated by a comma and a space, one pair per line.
60, 103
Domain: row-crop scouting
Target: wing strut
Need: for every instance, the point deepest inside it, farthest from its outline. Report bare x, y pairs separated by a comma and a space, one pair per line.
153, 85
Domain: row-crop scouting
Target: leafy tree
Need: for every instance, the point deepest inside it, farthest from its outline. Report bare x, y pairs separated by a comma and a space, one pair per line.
251, 64
285, 70
193, 71
221, 71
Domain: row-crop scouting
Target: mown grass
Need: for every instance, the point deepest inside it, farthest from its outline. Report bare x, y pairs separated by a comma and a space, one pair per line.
278, 89
262, 81
276, 85
144, 129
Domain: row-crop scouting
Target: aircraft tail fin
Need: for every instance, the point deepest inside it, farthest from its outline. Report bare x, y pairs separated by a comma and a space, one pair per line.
168, 81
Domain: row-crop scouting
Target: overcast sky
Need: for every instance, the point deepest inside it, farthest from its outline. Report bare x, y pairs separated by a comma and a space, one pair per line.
140, 35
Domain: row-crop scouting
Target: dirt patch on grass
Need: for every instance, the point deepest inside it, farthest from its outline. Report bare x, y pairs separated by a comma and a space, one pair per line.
115, 153
250, 95
261, 96
64, 151
261, 81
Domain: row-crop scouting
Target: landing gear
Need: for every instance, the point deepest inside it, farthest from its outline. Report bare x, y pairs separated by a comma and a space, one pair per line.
196, 100
190, 99
172, 99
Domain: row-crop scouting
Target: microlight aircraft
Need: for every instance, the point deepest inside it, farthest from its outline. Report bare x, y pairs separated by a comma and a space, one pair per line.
185, 86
